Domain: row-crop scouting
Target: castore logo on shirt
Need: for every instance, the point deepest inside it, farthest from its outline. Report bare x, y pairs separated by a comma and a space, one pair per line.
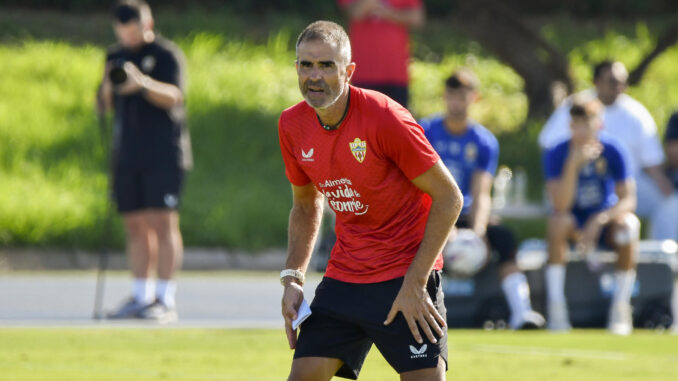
307, 156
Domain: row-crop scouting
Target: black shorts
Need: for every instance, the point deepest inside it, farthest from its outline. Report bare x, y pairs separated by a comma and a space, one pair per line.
347, 318
147, 189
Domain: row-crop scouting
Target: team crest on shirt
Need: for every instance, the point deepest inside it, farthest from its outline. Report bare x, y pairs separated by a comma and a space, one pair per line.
601, 166
358, 149
471, 152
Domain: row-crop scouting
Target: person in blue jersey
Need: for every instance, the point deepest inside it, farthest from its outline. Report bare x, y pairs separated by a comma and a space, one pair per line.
470, 152
593, 195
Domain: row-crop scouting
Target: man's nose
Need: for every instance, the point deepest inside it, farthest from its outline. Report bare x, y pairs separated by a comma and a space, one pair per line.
315, 73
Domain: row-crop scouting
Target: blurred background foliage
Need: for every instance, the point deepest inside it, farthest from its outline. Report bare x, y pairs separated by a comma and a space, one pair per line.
582, 8
241, 76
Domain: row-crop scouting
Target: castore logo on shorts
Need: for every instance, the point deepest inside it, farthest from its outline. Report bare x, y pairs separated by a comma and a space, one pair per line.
418, 353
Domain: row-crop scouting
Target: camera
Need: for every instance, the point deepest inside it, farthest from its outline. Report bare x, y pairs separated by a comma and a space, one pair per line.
118, 75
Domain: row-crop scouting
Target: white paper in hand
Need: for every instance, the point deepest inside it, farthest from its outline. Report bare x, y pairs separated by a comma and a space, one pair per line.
303, 314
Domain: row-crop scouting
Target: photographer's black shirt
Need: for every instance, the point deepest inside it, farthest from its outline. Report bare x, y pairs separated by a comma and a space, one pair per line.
147, 137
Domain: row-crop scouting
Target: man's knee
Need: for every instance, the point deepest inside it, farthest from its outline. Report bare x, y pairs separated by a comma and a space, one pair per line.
135, 224
560, 226
164, 223
626, 230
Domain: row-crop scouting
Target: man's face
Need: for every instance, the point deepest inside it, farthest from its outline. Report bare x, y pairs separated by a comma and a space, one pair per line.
610, 84
130, 35
584, 130
322, 73
458, 101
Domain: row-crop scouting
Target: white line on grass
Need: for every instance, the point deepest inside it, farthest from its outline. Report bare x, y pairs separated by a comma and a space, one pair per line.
541, 351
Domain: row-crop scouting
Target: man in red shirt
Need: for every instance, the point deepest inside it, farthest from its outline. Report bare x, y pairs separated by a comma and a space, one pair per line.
379, 32
395, 204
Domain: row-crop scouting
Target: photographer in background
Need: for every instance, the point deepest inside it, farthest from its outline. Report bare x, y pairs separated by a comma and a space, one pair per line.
143, 82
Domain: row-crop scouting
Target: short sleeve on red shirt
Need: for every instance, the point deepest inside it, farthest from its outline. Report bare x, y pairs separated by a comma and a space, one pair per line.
295, 174
406, 145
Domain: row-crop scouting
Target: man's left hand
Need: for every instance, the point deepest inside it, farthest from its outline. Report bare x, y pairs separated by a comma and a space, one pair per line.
417, 308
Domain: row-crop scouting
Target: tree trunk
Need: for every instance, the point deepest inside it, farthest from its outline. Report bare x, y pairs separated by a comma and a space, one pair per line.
499, 30
665, 41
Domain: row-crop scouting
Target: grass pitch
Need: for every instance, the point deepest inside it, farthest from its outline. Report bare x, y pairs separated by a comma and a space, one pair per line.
210, 354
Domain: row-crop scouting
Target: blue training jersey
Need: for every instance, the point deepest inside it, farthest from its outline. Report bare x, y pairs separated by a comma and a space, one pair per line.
474, 150
596, 184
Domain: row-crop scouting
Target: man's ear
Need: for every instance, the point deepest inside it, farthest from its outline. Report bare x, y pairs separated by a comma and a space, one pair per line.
350, 69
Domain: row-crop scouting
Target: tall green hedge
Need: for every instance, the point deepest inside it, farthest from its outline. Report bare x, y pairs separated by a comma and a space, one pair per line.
436, 8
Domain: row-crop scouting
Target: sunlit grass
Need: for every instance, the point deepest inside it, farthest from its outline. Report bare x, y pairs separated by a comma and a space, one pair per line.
261, 355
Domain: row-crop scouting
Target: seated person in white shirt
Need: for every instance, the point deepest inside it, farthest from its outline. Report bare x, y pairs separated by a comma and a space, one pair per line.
630, 122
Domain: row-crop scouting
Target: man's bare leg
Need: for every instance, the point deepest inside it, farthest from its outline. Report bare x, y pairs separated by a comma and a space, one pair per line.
314, 369
428, 374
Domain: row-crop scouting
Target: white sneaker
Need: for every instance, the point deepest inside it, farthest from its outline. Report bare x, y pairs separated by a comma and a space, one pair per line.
621, 319
528, 320
674, 329
558, 317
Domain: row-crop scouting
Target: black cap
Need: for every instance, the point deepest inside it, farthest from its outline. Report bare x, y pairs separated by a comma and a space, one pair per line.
125, 13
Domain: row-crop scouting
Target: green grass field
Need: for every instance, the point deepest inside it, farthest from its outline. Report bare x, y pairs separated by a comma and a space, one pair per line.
260, 355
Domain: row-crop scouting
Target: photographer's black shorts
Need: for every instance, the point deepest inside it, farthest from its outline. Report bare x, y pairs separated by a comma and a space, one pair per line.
347, 318
147, 189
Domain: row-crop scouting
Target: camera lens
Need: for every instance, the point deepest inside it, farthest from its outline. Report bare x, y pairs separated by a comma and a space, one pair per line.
118, 75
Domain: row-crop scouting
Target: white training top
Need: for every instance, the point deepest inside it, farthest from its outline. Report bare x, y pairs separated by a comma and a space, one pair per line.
626, 119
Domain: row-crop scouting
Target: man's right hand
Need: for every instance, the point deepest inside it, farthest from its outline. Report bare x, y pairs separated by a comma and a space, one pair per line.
291, 300
585, 153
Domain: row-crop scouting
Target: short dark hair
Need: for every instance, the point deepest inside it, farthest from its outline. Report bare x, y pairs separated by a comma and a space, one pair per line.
616, 67
600, 67
328, 32
585, 107
125, 11
462, 79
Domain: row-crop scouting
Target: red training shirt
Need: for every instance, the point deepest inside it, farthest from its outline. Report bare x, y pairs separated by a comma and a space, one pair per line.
364, 169
381, 48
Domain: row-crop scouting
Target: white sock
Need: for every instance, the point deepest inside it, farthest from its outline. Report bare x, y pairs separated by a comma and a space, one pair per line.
517, 294
623, 281
166, 291
555, 283
142, 290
